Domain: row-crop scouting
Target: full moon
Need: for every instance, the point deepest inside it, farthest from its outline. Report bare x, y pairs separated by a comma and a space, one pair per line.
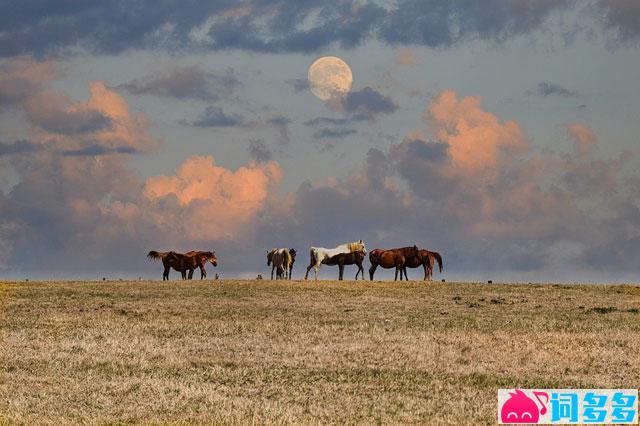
330, 77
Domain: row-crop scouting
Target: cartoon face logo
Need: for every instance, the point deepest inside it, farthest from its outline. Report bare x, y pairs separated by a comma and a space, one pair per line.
519, 408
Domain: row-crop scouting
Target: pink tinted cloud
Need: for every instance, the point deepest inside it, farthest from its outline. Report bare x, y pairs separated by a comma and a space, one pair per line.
477, 139
215, 200
583, 137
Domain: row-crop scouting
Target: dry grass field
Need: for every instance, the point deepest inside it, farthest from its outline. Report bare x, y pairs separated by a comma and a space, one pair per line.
238, 352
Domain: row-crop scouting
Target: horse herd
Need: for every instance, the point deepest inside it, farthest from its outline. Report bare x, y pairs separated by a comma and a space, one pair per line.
281, 260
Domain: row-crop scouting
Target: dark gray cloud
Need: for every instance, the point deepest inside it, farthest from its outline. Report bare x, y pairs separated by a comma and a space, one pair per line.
319, 121
281, 126
259, 151
56, 120
299, 84
623, 17
18, 147
547, 88
189, 82
31, 27
214, 116
97, 150
365, 104
438, 23
334, 133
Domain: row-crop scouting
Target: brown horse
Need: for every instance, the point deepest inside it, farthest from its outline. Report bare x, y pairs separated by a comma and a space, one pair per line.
201, 258
184, 263
426, 259
353, 258
392, 258
171, 259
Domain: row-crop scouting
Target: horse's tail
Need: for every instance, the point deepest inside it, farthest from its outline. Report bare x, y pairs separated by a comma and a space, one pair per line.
438, 258
287, 258
154, 255
373, 256
312, 256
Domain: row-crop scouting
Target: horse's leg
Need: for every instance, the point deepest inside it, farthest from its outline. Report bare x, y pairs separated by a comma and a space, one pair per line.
372, 270
315, 269
203, 272
404, 268
396, 277
340, 271
306, 275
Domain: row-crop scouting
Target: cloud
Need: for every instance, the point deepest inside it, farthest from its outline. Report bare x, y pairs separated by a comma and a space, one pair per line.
547, 88
319, 121
18, 147
623, 17
299, 84
96, 150
54, 113
339, 133
188, 82
21, 78
406, 58
583, 137
259, 151
441, 24
476, 138
218, 200
281, 126
214, 116
367, 103
276, 27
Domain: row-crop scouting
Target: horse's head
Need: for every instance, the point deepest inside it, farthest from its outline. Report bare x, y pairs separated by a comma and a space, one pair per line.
211, 255
364, 248
269, 257
292, 252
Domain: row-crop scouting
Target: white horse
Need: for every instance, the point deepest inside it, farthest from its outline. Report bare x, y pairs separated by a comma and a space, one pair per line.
320, 254
281, 261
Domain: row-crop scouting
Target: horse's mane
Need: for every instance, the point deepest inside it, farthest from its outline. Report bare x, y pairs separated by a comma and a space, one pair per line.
354, 246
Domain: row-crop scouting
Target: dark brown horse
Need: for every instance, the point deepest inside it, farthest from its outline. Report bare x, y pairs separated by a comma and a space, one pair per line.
392, 258
184, 263
353, 258
171, 259
201, 258
426, 259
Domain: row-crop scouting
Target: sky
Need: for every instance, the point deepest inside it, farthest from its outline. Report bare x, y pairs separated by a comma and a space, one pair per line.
503, 134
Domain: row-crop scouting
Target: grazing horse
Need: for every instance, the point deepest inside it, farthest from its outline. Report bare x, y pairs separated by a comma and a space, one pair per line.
201, 258
353, 258
392, 258
426, 259
320, 254
281, 261
171, 259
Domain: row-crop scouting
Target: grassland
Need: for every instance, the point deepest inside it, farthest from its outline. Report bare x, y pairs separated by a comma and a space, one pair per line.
303, 352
